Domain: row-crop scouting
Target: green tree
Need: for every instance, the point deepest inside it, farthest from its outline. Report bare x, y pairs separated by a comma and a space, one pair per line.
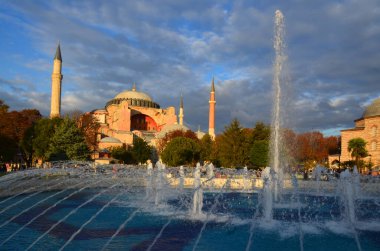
181, 151
141, 151
261, 131
356, 147
206, 146
68, 142
120, 153
260, 153
232, 146
161, 143
43, 131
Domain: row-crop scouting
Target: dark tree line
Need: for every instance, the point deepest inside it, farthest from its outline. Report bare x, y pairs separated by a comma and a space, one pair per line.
25, 136
237, 147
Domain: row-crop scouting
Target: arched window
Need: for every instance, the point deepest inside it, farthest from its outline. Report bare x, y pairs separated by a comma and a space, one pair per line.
374, 131
373, 145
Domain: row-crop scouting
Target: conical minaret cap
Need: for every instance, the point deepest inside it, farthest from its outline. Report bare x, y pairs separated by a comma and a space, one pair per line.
212, 85
181, 102
58, 53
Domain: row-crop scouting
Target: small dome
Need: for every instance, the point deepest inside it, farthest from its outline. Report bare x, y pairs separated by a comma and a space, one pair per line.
133, 95
200, 134
373, 109
171, 128
109, 140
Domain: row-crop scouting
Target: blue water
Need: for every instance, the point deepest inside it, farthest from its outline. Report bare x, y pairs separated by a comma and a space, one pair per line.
227, 227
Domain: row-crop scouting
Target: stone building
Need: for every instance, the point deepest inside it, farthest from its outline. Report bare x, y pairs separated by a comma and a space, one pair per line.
367, 128
132, 113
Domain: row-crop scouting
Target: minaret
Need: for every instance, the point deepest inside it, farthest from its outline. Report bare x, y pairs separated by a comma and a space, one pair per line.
56, 81
181, 111
211, 120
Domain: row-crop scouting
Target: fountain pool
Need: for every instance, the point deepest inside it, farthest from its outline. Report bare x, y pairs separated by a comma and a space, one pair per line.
109, 208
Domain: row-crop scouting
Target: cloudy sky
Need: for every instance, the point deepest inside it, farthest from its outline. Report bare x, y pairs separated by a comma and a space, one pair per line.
170, 47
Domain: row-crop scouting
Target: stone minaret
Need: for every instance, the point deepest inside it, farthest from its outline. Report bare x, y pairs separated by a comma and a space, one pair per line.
211, 120
180, 115
56, 81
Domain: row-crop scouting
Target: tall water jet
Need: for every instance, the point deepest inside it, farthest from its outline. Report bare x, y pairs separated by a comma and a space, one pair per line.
267, 176
279, 47
198, 193
160, 183
245, 179
348, 195
181, 174
149, 180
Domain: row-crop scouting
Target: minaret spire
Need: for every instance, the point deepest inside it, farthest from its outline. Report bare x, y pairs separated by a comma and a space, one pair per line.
56, 84
58, 53
181, 115
134, 87
212, 102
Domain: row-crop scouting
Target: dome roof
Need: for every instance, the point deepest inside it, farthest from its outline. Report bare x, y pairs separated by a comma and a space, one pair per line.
133, 95
134, 98
110, 140
373, 109
170, 128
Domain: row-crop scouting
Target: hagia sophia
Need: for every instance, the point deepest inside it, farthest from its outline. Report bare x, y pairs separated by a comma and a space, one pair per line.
132, 113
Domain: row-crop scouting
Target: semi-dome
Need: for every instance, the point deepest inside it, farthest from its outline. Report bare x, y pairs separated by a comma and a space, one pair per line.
133, 94
373, 109
110, 140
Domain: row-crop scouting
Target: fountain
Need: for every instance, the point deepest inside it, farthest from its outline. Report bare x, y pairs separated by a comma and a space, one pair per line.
198, 193
276, 139
85, 207
79, 206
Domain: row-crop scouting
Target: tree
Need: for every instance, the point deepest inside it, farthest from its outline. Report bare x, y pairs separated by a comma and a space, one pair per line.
122, 154
181, 151
261, 132
141, 151
43, 131
232, 151
356, 147
13, 127
161, 144
68, 142
260, 153
3, 107
206, 146
89, 126
311, 146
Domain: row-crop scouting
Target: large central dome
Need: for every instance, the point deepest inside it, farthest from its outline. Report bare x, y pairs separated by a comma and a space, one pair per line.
373, 109
133, 94
134, 98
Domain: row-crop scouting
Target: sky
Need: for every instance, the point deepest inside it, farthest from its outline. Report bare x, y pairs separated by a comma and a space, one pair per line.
169, 47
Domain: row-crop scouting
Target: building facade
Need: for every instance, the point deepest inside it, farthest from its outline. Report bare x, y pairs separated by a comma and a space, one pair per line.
132, 113
367, 128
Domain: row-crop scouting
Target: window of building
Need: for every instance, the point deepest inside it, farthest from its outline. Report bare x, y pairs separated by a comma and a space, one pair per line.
374, 131
373, 145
